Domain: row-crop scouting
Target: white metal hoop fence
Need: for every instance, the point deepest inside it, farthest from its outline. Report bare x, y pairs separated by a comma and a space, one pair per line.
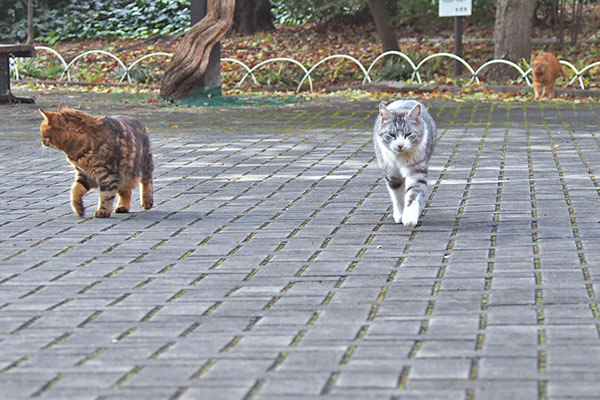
415, 76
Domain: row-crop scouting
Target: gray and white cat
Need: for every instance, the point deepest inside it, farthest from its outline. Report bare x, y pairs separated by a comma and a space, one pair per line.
404, 138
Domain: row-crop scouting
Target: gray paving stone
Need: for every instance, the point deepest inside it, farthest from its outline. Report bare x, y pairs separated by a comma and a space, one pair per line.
270, 267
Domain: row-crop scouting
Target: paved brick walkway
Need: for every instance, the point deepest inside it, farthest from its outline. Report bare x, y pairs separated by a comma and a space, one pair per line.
270, 267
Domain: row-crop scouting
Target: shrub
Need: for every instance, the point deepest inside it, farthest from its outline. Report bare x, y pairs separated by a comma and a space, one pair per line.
106, 19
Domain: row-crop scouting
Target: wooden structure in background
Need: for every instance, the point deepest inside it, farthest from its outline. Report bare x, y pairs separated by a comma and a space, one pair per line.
6, 51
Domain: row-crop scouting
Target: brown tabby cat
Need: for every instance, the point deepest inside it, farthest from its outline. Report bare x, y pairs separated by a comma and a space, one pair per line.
109, 153
546, 69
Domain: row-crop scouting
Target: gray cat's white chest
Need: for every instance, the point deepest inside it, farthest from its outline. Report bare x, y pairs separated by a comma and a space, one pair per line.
392, 163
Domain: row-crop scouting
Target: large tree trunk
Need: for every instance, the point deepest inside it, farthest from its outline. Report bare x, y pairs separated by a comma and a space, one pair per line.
192, 56
253, 16
386, 32
210, 82
512, 35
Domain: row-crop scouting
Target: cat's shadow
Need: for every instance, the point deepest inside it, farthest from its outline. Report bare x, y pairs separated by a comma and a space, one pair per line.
148, 216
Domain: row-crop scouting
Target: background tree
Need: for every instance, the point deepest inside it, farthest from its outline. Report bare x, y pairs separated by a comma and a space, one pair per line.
562, 15
302, 11
185, 74
252, 16
512, 34
381, 16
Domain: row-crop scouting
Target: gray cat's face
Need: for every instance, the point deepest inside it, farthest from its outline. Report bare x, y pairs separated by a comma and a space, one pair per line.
401, 132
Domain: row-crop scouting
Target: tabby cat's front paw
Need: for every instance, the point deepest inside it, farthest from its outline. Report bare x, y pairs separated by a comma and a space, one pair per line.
100, 213
122, 210
147, 204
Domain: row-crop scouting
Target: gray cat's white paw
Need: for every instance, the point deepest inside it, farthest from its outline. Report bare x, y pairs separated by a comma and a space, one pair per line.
410, 216
397, 216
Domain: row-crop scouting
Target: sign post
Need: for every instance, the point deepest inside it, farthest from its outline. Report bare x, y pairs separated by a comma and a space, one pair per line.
456, 9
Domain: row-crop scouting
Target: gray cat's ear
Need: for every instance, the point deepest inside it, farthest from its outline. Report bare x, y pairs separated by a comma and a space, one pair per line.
415, 113
384, 113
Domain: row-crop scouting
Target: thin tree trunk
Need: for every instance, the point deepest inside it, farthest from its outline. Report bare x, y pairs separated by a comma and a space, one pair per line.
573, 13
577, 17
554, 12
561, 24
30, 22
386, 32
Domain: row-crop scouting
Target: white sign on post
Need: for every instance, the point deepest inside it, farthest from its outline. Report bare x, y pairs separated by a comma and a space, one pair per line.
455, 8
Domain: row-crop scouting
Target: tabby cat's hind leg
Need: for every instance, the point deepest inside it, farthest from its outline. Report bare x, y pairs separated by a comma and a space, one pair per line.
105, 204
108, 191
124, 201
147, 191
147, 194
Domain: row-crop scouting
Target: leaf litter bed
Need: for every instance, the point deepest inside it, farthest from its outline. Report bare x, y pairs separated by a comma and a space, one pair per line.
308, 44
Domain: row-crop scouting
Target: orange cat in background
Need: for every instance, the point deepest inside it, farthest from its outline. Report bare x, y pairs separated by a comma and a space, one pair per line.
546, 69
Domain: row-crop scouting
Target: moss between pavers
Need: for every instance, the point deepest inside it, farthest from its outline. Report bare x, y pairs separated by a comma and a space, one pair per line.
213, 97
